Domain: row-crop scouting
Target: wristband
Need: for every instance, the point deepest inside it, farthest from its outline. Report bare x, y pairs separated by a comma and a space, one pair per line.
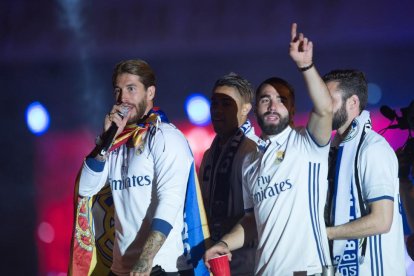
100, 158
225, 243
303, 69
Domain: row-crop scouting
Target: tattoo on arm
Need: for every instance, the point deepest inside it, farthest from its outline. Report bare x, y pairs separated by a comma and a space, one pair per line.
154, 242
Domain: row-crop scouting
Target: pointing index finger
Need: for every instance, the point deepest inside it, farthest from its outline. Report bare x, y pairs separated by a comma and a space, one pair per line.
293, 31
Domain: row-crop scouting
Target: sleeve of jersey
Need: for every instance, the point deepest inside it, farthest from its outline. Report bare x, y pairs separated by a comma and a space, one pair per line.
312, 142
93, 177
172, 161
378, 171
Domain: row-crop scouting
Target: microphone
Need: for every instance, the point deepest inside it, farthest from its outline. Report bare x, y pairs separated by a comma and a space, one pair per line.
109, 135
388, 112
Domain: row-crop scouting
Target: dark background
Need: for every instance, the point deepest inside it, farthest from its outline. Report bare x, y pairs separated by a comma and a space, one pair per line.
62, 53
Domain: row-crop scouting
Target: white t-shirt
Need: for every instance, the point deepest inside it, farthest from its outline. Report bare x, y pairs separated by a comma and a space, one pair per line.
286, 186
378, 173
152, 190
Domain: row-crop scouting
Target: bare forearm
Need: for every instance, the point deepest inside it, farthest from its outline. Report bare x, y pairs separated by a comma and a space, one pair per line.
242, 232
318, 92
356, 229
301, 52
154, 242
320, 121
235, 238
379, 221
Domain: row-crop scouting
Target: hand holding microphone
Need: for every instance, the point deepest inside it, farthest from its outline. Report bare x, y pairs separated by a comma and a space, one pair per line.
112, 122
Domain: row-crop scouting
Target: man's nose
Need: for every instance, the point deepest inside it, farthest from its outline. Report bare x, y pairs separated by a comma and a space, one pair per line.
122, 97
272, 105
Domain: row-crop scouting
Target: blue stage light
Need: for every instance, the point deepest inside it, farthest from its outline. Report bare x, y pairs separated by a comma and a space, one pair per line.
197, 107
37, 118
374, 93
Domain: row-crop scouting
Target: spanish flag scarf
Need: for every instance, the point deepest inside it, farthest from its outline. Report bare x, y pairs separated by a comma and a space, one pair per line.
135, 133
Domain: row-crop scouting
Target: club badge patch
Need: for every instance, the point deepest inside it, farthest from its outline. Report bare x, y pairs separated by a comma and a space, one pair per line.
280, 155
140, 149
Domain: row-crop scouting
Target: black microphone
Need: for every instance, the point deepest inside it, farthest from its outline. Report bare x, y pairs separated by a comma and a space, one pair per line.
109, 135
388, 112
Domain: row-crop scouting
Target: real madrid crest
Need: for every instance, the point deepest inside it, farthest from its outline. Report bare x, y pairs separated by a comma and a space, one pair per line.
140, 149
280, 154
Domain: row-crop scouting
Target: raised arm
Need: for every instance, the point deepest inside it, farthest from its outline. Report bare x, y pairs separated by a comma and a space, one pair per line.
320, 121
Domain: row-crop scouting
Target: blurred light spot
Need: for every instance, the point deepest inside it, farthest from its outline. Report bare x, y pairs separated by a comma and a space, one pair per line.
374, 93
197, 107
46, 232
37, 118
199, 139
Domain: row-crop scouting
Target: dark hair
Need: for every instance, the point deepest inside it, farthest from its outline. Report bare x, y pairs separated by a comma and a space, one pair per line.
136, 67
286, 92
242, 85
350, 82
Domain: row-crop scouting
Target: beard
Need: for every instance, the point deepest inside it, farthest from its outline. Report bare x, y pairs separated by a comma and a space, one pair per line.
273, 129
339, 118
140, 109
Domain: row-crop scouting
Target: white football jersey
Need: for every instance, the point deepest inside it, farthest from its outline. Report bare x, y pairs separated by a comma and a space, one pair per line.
286, 186
148, 185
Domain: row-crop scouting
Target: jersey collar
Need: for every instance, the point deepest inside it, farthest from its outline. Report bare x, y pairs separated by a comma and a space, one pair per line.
280, 138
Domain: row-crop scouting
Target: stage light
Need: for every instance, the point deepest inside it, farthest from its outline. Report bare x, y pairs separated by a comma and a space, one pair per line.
374, 93
37, 118
197, 107
199, 139
45, 232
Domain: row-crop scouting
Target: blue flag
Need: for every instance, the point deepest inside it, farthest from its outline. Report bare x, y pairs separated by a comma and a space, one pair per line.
195, 230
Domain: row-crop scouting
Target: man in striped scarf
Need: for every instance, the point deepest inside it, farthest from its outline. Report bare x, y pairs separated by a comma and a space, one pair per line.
363, 207
221, 168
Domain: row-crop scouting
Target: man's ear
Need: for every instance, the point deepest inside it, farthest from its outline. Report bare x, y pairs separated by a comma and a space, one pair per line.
151, 93
246, 109
353, 102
